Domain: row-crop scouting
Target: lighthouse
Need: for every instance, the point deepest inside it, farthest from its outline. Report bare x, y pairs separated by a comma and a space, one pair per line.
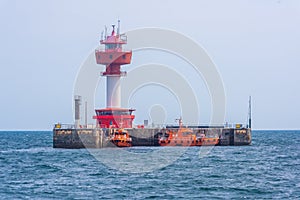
113, 57
115, 124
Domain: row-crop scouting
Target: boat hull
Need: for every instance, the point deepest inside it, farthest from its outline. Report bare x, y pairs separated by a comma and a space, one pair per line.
119, 143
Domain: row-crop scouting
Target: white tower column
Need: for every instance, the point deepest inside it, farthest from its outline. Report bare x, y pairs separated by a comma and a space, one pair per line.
113, 88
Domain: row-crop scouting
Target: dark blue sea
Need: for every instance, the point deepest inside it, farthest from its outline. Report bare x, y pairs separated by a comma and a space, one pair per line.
32, 169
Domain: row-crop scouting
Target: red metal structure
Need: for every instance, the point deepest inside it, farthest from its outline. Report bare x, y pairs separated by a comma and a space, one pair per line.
113, 57
114, 117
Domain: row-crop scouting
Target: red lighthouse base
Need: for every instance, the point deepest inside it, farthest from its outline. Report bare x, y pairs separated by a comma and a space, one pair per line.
114, 117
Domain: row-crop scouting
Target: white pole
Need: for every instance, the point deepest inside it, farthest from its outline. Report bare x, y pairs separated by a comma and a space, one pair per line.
113, 88
86, 114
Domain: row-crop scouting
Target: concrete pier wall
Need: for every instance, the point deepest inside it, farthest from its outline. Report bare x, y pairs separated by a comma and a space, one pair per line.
98, 138
78, 138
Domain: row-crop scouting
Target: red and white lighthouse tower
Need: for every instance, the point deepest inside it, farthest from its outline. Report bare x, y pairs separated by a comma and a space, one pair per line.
113, 57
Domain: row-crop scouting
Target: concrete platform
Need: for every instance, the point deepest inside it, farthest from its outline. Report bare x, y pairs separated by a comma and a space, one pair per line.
98, 138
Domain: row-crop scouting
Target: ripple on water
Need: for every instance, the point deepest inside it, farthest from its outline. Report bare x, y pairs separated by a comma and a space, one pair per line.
269, 168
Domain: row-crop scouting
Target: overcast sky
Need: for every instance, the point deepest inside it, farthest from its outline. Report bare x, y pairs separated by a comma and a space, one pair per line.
254, 43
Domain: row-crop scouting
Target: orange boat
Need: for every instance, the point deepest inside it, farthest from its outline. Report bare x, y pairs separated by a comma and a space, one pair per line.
186, 137
121, 138
182, 137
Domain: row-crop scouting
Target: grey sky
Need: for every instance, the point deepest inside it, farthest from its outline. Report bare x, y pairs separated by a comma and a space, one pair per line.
254, 43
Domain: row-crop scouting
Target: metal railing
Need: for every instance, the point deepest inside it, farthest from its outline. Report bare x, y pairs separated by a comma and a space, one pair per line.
64, 126
225, 125
101, 49
159, 126
72, 126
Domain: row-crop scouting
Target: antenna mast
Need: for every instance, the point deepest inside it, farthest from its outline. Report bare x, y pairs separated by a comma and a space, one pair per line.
105, 29
118, 31
102, 36
249, 114
180, 122
86, 114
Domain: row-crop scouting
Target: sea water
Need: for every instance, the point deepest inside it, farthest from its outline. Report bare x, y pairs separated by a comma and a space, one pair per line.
268, 168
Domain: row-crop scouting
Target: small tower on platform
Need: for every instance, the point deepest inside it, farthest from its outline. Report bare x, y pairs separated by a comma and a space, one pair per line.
113, 57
